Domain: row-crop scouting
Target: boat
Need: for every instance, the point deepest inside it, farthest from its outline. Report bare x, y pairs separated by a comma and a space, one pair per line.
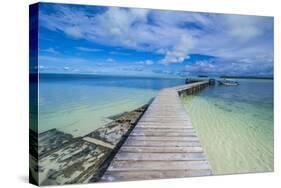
228, 82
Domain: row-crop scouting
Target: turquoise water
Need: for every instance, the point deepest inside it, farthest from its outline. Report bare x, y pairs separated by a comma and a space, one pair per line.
235, 126
79, 104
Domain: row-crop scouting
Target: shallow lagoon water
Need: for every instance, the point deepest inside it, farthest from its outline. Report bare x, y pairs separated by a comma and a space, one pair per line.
235, 126
79, 104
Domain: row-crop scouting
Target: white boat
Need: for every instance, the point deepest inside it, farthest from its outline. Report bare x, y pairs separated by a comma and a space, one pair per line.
228, 82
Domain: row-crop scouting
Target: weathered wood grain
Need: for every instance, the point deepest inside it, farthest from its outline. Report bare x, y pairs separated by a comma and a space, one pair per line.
163, 144
179, 134
131, 165
125, 156
166, 149
153, 174
162, 138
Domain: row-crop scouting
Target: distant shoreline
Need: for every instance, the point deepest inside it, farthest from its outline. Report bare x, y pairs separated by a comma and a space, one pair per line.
249, 77
108, 75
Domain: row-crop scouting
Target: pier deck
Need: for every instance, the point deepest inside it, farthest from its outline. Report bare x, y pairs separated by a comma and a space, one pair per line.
163, 144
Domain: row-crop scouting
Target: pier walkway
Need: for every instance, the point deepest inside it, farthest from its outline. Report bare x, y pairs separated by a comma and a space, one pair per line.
163, 144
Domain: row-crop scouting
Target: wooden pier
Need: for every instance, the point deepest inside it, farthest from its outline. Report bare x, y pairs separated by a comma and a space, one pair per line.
163, 144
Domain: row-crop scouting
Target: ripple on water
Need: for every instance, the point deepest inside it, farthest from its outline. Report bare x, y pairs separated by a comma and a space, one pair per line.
237, 138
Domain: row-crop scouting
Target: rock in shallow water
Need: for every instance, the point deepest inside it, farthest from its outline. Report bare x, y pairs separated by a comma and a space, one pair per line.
64, 159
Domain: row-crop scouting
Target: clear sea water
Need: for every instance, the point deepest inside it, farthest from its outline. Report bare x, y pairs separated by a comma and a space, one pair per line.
235, 126
79, 104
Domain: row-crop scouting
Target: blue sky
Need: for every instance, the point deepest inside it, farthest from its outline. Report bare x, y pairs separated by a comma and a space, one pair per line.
144, 42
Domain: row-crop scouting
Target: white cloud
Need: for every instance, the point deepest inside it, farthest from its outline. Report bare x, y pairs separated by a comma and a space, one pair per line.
243, 28
74, 31
110, 60
57, 60
146, 62
75, 64
120, 27
76, 70
50, 50
180, 52
220, 67
88, 49
118, 53
200, 67
236, 36
173, 34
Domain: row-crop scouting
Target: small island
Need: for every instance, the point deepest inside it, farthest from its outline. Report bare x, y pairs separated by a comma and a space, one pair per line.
249, 77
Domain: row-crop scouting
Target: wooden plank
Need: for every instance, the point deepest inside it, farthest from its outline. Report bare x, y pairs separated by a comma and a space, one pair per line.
161, 134
165, 113
147, 175
148, 130
165, 149
162, 138
170, 124
98, 142
165, 120
158, 165
165, 123
160, 143
125, 156
164, 127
